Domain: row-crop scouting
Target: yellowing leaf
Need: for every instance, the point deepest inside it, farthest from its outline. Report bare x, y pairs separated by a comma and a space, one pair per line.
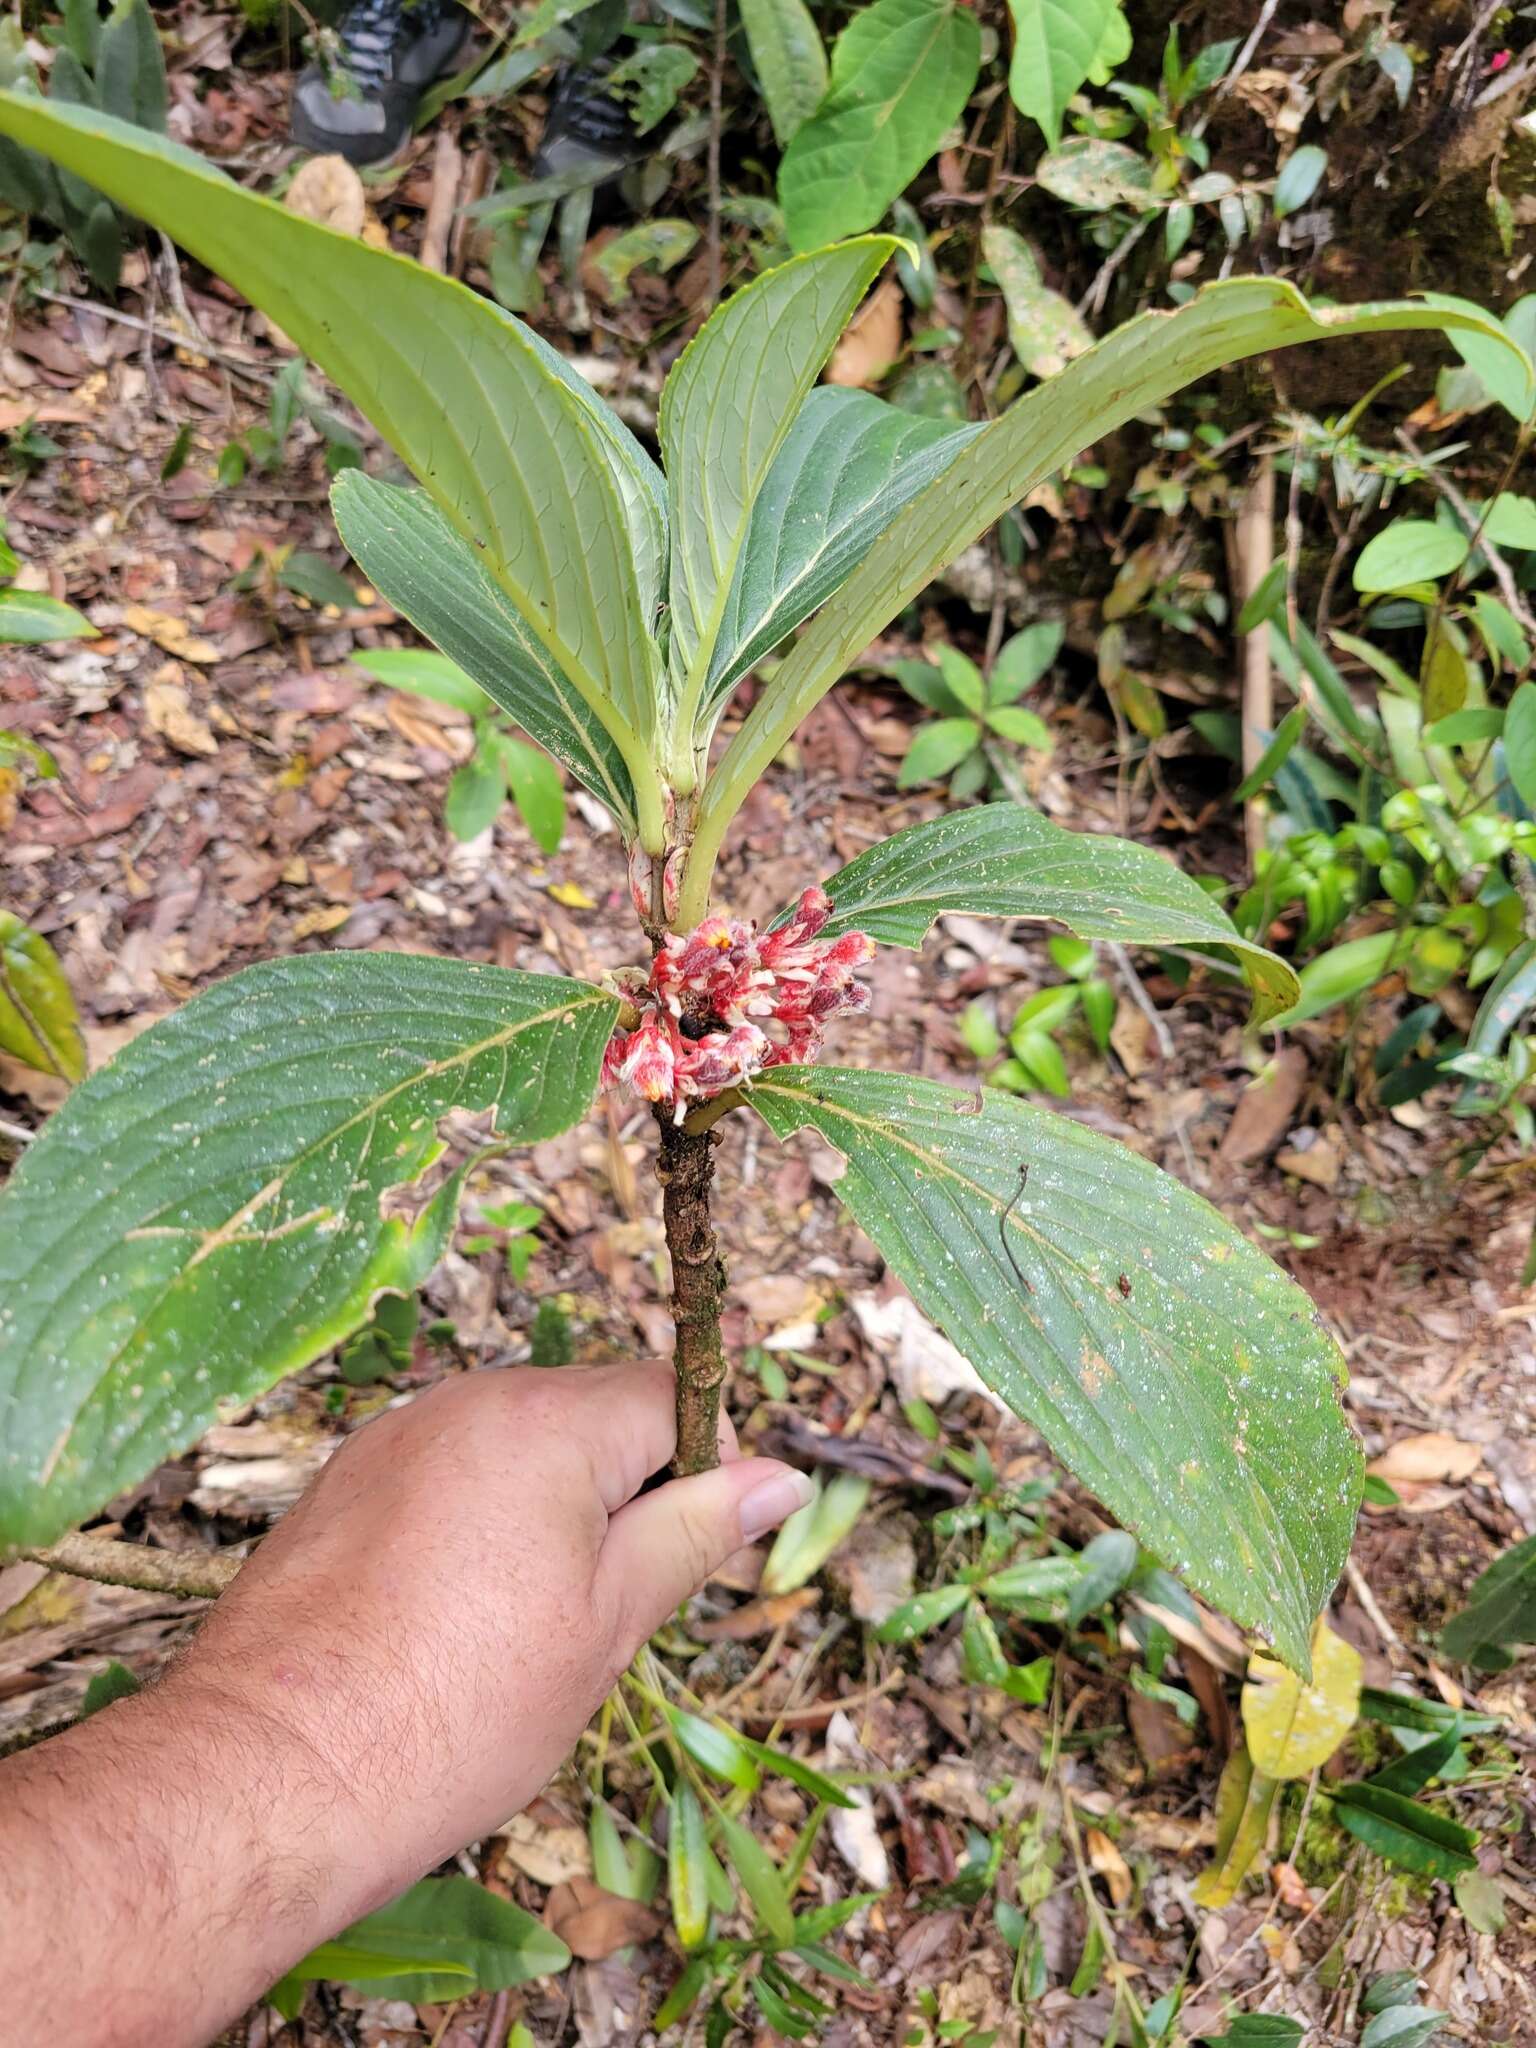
1294, 1728
572, 895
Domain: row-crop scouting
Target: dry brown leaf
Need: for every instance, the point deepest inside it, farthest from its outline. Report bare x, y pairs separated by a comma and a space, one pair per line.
1106, 1860
1291, 1886
757, 1618
873, 340
1265, 1108
169, 712
169, 632
594, 1923
329, 917
329, 191
554, 1855
1422, 1460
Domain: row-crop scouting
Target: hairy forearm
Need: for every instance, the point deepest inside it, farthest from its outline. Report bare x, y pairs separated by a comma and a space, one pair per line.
161, 1865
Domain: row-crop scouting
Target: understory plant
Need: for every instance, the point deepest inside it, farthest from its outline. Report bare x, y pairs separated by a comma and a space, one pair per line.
223, 1202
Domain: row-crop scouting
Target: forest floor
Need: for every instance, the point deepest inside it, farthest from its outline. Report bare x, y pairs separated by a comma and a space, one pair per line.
231, 788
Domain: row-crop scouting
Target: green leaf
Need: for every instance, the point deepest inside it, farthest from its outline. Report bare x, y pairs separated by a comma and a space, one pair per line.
1055, 43
1511, 521
406, 548
813, 1532
1106, 1564
536, 789
1133, 369
1202, 1407
444, 1938
936, 749
1044, 329
1410, 1836
1402, 2026
790, 62
1275, 755
39, 1024
208, 1212
662, 242
117, 1682
760, 1876
129, 68
1501, 1608
1259, 2030
27, 616
716, 1748
1023, 728
1465, 728
1504, 372
1344, 972
688, 1868
476, 791
902, 71
726, 410
1004, 861
1022, 660
1519, 741
915, 1617
1409, 551
424, 673
1095, 175
522, 459
1299, 178
848, 465
786, 1766
1412, 1771
962, 677
82, 31
656, 74
310, 575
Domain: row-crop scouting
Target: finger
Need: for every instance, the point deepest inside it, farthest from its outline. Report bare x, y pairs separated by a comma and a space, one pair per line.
624, 1417
663, 1546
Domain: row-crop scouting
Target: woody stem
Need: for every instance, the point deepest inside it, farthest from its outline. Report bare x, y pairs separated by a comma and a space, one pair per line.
685, 1167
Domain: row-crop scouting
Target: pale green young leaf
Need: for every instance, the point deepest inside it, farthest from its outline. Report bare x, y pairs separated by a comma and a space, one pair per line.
39, 1024
27, 617
1055, 45
409, 552
790, 61
902, 71
1137, 366
444, 1938
848, 465
760, 1877
688, 1868
1177, 1372
424, 673
726, 410
525, 465
476, 791
1001, 860
1409, 551
963, 677
533, 782
936, 749
223, 1202
1023, 659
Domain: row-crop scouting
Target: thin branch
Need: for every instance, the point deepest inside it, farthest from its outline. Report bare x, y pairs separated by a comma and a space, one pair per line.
191, 1575
1253, 549
1475, 524
1162, 1036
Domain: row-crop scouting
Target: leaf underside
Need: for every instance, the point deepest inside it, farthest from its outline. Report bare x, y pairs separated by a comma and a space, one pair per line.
410, 553
1172, 1367
1001, 860
218, 1206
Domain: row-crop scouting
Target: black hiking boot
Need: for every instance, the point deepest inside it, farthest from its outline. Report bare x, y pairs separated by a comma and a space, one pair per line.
390, 53
588, 131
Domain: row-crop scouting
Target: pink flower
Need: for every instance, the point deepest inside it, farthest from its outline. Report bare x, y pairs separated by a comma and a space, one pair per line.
723, 1003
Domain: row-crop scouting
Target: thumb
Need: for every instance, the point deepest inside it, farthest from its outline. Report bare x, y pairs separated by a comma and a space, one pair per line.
664, 1545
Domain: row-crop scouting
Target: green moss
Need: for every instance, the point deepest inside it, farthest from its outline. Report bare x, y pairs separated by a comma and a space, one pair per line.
1321, 1852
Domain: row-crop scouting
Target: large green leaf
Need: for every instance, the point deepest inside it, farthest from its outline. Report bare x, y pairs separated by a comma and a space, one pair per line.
902, 71
130, 68
223, 1202
1172, 1367
1055, 43
726, 409
848, 465
1003, 861
409, 552
526, 464
790, 61
1500, 1611
1137, 366
445, 1938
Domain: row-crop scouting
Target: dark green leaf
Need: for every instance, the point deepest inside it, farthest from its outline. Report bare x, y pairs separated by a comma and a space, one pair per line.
915, 1617
204, 1214
129, 69
1284, 737
1519, 740
406, 548
784, 1765
1412, 1771
1202, 1407
760, 1877
848, 465
902, 71
789, 59
1402, 2026
1299, 178
1259, 2030
1409, 1835
117, 1682
444, 1938
1004, 861
1501, 1608
717, 1749
310, 575
1106, 1565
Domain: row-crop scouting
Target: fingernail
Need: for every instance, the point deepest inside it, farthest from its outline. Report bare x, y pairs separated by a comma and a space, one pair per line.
773, 1502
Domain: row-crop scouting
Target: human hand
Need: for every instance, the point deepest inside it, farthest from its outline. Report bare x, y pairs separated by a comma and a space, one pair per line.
400, 1666
458, 1590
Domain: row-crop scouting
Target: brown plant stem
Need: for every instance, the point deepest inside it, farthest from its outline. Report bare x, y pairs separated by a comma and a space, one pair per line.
191, 1575
685, 1168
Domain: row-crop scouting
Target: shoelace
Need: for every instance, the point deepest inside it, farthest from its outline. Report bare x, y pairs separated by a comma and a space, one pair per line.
371, 34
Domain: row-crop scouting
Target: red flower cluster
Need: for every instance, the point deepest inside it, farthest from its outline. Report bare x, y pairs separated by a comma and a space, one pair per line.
722, 1003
